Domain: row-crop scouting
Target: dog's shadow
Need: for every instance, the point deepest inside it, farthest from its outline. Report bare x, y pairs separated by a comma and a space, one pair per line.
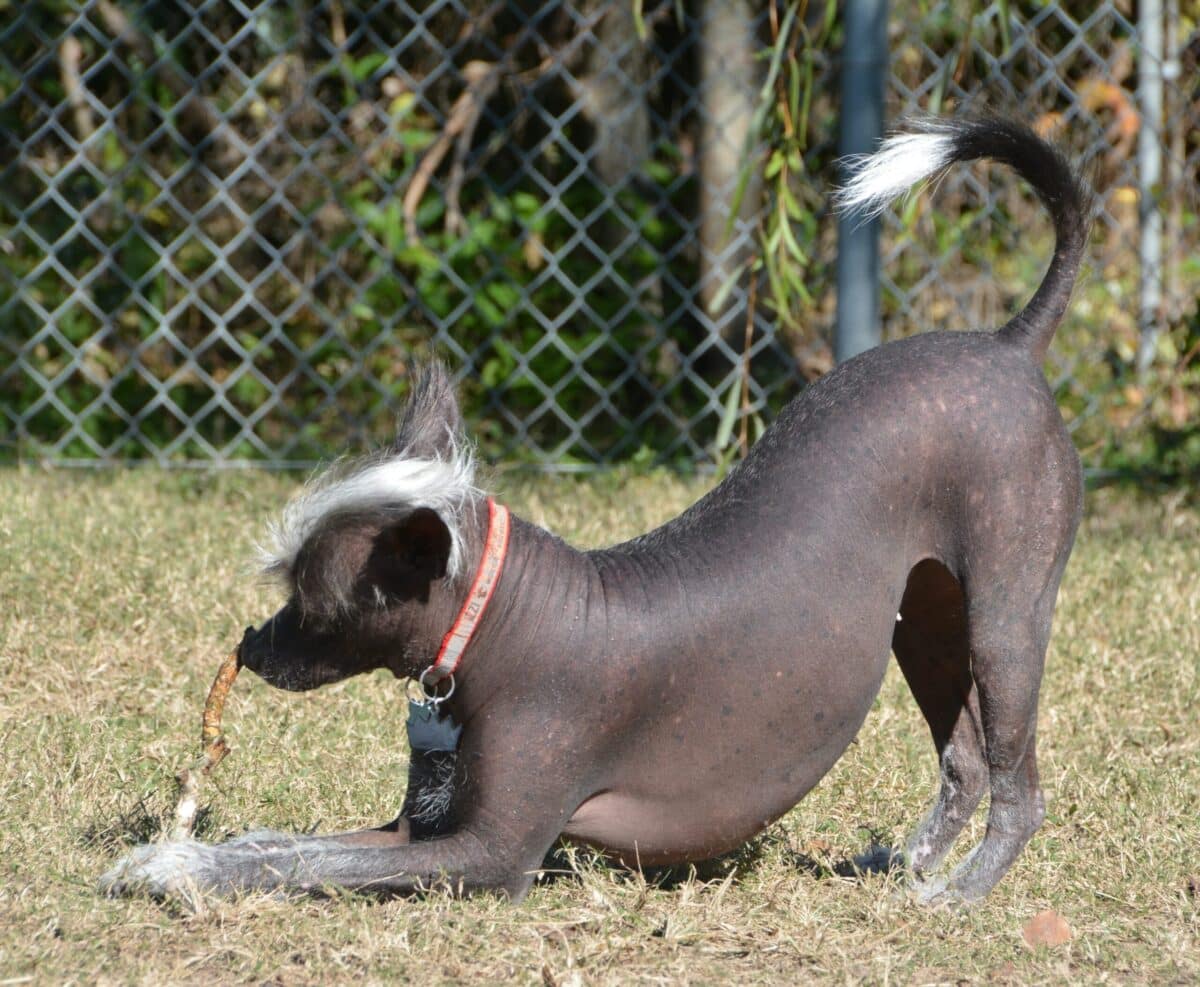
138, 824
572, 863
875, 859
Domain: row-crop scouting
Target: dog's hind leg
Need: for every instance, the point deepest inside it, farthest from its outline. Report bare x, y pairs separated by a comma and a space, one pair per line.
1008, 634
930, 644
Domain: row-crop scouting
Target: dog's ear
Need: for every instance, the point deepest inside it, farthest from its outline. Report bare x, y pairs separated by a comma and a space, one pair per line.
431, 427
409, 554
357, 557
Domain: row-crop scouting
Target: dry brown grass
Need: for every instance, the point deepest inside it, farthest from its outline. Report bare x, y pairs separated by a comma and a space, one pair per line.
120, 592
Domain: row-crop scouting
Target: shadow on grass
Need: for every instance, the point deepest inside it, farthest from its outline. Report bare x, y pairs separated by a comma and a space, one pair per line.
137, 824
568, 862
140, 823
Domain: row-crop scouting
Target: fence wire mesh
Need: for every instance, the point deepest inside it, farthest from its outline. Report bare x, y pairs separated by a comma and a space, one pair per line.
231, 228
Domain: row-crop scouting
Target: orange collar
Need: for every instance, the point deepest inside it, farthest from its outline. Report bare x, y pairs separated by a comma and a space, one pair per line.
495, 550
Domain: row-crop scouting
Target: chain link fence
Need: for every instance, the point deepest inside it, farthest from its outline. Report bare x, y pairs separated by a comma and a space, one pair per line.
230, 228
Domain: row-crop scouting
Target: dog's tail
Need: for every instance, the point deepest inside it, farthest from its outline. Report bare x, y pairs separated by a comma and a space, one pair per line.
927, 147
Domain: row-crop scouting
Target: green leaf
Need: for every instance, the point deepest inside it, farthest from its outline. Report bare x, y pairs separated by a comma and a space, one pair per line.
794, 76
806, 103
639, 21
791, 206
739, 193
717, 302
363, 67
729, 414
798, 255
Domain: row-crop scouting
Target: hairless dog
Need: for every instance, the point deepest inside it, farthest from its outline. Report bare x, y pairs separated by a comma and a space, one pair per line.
667, 698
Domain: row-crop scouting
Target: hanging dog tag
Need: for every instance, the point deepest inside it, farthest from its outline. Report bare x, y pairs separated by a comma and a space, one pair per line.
427, 731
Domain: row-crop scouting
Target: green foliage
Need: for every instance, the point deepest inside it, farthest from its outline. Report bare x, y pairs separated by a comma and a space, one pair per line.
1157, 416
133, 353
134, 359
781, 124
161, 296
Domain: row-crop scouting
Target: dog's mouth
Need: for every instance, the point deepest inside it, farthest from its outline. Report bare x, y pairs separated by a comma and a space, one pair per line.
271, 654
257, 652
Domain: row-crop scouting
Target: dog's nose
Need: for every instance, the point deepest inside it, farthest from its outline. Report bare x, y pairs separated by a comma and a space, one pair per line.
246, 655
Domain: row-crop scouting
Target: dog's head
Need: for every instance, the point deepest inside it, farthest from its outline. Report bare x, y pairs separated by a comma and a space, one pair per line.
369, 553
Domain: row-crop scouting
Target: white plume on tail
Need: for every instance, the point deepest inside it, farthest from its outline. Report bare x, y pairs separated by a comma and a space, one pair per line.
900, 163
924, 148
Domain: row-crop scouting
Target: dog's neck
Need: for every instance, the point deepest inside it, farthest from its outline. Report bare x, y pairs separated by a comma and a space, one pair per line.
548, 601
556, 604
475, 605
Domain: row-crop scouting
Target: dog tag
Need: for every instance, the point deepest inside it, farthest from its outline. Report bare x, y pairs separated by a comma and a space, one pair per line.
429, 732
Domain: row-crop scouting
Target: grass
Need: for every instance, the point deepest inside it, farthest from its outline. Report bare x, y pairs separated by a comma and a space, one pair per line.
120, 592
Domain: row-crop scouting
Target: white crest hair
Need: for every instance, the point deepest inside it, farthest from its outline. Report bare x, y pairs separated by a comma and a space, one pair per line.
395, 483
901, 162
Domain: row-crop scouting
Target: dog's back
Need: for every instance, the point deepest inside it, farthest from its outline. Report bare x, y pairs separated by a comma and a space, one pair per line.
932, 477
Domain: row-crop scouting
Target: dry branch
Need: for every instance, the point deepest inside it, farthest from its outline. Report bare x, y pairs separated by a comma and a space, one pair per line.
482, 78
213, 745
70, 55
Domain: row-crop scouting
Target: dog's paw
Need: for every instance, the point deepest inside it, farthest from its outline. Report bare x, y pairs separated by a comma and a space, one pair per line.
927, 890
162, 870
938, 892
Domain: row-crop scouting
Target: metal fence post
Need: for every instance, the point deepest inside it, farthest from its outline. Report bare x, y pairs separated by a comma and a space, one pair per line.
1149, 159
861, 125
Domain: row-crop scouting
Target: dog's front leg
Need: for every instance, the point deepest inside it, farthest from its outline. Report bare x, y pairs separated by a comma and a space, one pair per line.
509, 810
373, 861
431, 776
399, 830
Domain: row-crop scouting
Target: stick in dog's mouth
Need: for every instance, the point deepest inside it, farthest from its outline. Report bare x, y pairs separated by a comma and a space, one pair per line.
213, 746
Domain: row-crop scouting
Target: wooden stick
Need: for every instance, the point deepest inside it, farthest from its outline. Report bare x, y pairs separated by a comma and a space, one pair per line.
482, 78
213, 745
